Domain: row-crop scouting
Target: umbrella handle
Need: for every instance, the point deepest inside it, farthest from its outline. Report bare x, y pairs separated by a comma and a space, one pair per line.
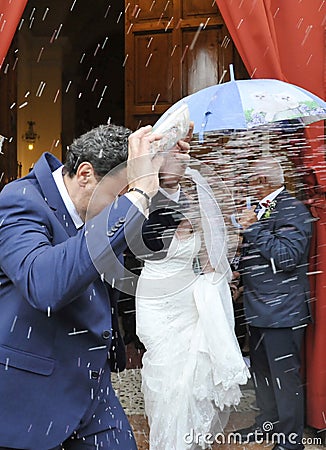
231, 72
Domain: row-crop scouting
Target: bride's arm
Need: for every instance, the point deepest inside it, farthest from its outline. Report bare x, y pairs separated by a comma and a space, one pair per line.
222, 271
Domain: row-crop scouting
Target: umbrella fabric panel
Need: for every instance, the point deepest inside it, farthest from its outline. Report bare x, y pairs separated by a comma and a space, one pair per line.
267, 100
246, 104
224, 110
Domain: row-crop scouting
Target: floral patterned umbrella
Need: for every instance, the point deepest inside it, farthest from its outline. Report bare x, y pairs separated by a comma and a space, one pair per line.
246, 104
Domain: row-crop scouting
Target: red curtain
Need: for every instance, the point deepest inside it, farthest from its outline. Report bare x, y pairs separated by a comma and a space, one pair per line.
286, 40
10, 14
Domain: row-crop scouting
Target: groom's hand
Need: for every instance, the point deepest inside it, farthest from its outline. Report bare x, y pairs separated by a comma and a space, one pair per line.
142, 168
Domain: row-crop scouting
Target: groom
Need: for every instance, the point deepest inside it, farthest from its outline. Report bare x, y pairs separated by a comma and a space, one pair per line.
62, 228
274, 266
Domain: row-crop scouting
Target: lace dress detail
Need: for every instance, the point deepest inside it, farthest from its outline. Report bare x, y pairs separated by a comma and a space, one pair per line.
193, 366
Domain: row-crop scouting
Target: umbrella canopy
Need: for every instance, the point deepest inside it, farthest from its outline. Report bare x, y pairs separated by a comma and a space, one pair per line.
246, 104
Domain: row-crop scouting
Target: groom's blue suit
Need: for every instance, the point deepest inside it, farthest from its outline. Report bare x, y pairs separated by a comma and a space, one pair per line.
58, 337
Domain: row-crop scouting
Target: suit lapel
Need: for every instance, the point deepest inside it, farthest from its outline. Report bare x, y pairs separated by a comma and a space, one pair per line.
43, 173
279, 197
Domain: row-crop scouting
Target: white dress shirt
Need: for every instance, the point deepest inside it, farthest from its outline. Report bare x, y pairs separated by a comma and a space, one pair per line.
270, 197
175, 196
58, 179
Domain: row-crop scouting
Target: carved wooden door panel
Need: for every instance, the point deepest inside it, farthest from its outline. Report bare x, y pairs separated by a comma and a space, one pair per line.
172, 49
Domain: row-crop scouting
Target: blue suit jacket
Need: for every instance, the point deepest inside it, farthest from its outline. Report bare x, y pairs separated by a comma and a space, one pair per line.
274, 266
56, 327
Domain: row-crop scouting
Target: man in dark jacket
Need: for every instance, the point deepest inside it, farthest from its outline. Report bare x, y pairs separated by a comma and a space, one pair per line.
274, 266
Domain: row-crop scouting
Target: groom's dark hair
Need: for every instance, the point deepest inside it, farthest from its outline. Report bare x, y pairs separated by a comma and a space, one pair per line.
105, 147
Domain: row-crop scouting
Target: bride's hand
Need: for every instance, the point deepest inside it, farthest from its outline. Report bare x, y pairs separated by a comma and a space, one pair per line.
175, 163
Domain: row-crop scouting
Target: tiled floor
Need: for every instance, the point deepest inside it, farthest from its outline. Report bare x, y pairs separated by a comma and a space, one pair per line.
127, 386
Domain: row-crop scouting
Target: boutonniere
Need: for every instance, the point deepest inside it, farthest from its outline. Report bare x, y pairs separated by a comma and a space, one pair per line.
269, 205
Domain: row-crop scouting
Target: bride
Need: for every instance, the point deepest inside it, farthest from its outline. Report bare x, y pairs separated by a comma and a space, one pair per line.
193, 366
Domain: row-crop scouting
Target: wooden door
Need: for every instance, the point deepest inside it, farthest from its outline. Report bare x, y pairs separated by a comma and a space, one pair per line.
172, 49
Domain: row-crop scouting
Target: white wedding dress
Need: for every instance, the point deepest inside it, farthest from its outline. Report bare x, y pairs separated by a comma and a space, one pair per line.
193, 366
